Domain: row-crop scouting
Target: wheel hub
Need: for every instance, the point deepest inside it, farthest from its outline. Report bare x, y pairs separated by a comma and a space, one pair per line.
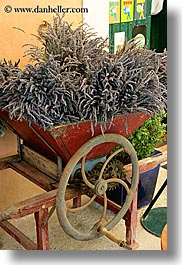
100, 187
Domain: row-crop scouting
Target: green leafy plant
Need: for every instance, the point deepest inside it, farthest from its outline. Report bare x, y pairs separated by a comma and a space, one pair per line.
146, 137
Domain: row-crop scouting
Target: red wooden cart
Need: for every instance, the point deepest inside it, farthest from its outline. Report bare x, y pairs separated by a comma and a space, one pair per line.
49, 158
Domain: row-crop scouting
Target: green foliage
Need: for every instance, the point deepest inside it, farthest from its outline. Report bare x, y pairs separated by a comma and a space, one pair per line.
145, 138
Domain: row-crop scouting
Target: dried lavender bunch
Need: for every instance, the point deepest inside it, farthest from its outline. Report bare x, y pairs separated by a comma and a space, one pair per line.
39, 94
48, 96
8, 70
162, 74
82, 82
142, 86
77, 46
123, 83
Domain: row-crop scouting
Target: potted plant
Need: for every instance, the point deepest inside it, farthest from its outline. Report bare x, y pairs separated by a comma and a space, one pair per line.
147, 136
144, 140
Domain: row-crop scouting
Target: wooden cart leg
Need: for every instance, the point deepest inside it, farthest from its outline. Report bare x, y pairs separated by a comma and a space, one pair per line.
77, 201
42, 231
131, 224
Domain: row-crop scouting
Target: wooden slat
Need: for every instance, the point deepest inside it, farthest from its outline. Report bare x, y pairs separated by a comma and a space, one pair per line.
20, 237
4, 161
162, 148
39, 162
34, 175
35, 204
147, 163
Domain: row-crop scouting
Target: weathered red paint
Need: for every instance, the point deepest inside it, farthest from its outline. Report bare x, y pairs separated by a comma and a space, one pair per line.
38, 206
65, 140
42, 232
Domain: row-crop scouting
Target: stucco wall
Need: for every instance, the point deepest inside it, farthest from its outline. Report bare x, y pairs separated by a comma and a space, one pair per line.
11, 40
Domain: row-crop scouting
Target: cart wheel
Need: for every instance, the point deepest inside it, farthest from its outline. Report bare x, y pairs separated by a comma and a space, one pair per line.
99, 188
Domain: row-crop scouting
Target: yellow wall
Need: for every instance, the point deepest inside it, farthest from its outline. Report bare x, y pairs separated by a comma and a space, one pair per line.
11, 40
13, 186
8, 144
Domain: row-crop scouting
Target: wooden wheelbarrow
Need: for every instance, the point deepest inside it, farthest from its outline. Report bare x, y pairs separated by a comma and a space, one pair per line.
51, 158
